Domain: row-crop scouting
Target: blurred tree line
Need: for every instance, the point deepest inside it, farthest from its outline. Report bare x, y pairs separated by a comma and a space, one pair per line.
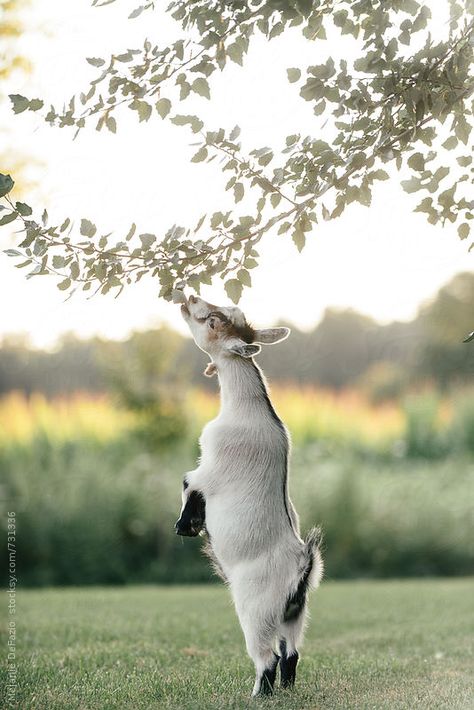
150, 369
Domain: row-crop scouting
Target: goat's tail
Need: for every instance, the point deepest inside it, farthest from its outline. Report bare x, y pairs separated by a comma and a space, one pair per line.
310, 575
312, 553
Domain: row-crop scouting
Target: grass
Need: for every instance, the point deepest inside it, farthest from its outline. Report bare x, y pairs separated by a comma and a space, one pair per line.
369, 645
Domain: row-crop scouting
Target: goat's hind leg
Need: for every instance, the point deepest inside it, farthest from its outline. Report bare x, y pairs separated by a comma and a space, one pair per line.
289, 661
259, 639
291, 634
266, 664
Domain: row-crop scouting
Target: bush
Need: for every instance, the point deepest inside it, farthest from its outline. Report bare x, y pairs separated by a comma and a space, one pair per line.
462, 428
96, 514
383, 382
144, 375
95, 511
422, 434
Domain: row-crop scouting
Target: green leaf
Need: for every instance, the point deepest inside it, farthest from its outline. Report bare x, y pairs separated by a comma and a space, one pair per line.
450, 143
184, 90
235, 133
23, 209
293, 74
64, 285
88, 229
200, 155
35, 104
20, 103
58, 261
75, 270
12, 252
144, 110
275, 199
233, 288
193, 121
319, 108
446, 198
6, 184
250, 263
463, 230
111, 124
131, 232
136, 13
244, 277
284, 227
163, 106
147, 240
235, 53
299, 238
411, 185
462, 129
95, 61
417, 162
409, 6
379, 175
6, 219
201, 87
238, 191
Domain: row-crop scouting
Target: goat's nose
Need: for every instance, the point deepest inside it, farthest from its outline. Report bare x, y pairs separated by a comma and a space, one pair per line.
192, 299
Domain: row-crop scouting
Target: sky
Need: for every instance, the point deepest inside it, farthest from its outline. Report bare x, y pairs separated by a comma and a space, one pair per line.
383, 261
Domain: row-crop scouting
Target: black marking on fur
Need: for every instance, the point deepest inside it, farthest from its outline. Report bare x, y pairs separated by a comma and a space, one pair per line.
296, 602
185, 484
246, 332
281, 426
288, 665
267, 679
273, 414
193, 517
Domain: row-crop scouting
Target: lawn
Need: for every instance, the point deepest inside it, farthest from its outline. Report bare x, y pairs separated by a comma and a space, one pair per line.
377, 644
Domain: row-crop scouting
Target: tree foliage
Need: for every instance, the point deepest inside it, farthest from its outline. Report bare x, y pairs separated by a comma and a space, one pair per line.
406, 99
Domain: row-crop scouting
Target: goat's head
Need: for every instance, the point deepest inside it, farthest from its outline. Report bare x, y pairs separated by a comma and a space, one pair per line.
224, 331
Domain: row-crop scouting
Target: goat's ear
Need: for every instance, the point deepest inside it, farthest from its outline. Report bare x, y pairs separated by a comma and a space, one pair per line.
268, 336
239, 347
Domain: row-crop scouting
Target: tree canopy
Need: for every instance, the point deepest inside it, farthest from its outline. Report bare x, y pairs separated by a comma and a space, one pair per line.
406, 99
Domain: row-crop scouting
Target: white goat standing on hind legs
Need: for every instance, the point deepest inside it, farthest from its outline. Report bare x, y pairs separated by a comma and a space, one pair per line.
238, 495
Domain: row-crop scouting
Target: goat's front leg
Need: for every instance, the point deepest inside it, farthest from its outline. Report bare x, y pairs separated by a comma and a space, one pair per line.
193, 512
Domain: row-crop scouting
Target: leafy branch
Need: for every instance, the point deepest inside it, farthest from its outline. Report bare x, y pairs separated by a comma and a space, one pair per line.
386, 107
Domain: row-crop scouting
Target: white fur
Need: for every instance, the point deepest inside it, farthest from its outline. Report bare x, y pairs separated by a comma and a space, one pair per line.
253, 527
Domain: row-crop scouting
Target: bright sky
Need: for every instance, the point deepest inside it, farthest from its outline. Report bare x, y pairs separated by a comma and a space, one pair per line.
383, 261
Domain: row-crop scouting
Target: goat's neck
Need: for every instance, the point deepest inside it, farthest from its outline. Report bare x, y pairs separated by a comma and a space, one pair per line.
242, 385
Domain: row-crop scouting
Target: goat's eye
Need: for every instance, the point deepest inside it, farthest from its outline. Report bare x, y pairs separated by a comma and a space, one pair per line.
212, 323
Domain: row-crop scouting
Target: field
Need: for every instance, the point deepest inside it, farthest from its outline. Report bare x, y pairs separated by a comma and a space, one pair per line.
96, 498
374, 645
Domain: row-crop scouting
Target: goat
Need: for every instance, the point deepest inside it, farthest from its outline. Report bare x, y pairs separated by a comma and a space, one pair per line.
238, 496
